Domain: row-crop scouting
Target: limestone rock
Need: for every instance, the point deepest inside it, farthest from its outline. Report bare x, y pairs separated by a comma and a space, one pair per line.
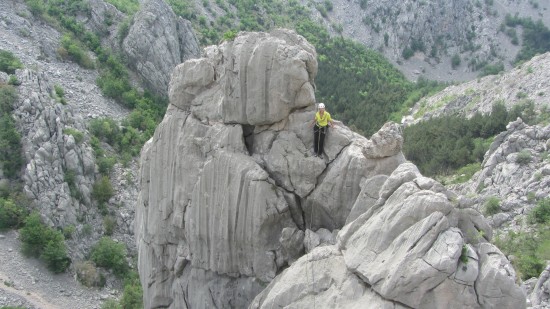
51, 153
157, 42
292, 240
419, 258
258, 79
319, 279
384, 143
541, 292
230, 196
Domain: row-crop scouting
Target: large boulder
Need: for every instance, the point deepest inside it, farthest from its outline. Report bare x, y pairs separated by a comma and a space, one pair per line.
406, 251
157, 41
256, 79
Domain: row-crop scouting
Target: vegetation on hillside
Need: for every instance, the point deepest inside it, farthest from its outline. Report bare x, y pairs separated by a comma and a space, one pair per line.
535, 38
530, 249
443, 144
11, 158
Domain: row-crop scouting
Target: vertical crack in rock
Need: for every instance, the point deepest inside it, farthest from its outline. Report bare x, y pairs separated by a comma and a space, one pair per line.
248, 137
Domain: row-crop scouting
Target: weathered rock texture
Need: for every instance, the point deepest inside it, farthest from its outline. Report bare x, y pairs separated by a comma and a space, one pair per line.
230, 196
52, 153
518, 155
540, 297
409, 250
157, 41
525, 84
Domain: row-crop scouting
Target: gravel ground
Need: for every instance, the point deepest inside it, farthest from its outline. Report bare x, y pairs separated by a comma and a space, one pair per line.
26, 282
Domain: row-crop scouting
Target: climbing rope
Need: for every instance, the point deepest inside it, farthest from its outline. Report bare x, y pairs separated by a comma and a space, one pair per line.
311, 257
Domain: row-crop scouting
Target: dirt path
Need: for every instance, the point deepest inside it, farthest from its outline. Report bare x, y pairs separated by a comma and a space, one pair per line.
32, 298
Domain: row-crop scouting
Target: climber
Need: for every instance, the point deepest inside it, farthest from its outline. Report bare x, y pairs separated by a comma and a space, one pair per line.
321, 122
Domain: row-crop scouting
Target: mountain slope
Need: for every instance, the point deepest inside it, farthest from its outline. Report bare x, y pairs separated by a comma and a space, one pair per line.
527, 84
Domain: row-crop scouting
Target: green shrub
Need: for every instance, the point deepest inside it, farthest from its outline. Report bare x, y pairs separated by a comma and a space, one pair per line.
464, 254
55, 253
14, 81
78, 136
111, 304
11, 214
106, 164
111, 255
37, 7
466, 172
70, 178
59, 91
541, 212
529, 265
8, 62
230, 35
105, 129
11, 157
8, 97
132, 296
42, 241
109, 224
71, 49
102, 190
491, 206
523, 246
87, 230
126, 6
407, 53
88, 274
524, 157
33, 235
68, 231
455, 61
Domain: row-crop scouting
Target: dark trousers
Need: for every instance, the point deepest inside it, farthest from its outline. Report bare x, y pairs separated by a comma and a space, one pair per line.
319, 139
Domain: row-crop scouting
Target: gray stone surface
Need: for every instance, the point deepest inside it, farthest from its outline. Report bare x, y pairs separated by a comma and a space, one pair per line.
157, 41
418, 259
230, 195
228, 185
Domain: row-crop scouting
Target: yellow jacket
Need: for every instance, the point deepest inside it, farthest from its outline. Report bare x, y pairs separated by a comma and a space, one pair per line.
322, 121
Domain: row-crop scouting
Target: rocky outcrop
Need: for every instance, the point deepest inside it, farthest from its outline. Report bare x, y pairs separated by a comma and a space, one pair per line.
409, 250
541, 293
231, 196
157, 41
528, 83
52, 153
518, 155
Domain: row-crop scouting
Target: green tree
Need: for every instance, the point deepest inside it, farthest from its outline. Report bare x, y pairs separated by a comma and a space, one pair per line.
8, 62
102, 190
109, 254
42, 241
11, 214
55, 253
455, 61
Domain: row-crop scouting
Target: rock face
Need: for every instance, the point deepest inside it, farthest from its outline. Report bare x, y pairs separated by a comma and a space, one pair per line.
230, 197
52, 153
541, 293
527, 83
518, 155
157, 41
410, 249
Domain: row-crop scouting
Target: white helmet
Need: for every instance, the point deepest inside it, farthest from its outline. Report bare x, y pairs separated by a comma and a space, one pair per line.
321, 105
